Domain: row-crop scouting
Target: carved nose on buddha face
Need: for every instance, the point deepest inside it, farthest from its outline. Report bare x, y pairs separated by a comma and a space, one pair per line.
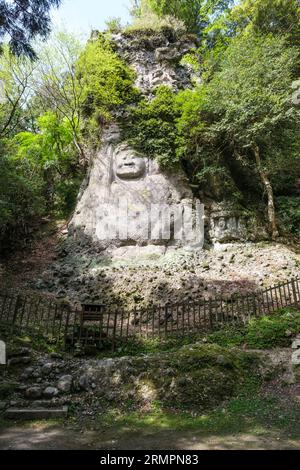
128, 161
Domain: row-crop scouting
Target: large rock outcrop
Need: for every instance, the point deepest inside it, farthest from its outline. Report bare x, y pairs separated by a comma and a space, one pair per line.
156, 59
127, 202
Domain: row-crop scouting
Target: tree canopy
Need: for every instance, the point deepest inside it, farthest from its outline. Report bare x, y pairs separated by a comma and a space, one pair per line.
195, 14
23, 20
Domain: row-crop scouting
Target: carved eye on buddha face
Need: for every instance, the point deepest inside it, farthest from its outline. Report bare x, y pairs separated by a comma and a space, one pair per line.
128, 164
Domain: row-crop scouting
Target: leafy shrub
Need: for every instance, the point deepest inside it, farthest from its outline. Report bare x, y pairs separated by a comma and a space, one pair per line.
166, 129
21, 200
151, 127
6, 389
114, 25
145, 18
228, 336
51, 154
289, 213
106, 81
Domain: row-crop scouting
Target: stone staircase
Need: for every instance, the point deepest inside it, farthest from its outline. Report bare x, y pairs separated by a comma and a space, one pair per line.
34, 400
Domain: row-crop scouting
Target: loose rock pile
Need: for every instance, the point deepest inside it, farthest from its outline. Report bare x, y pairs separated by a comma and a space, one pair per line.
179, 276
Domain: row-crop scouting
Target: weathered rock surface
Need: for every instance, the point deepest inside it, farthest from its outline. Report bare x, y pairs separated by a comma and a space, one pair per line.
227, 223
156, 59
50, 392
115, 204
47, 368
65, 383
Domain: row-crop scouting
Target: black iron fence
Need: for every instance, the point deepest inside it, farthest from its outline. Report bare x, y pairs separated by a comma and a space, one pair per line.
94, 324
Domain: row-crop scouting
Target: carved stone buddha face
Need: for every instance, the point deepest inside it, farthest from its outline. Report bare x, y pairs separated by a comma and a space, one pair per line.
128, 164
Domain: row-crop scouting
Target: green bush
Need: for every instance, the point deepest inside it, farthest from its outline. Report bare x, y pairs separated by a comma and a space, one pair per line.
266, 332
270, 331
6, 389
106, 81
151, 127
288, 208
21, 200
149, 21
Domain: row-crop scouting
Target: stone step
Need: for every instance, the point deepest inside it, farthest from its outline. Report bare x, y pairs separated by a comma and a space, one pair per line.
36, 413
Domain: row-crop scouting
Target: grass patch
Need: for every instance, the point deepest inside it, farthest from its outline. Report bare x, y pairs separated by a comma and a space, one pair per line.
196, 378
266, 332
249, 411
31, 338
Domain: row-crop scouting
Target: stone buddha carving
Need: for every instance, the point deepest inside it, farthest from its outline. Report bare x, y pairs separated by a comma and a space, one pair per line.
122, 183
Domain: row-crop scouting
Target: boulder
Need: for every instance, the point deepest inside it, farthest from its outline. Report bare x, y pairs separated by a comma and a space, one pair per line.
296, 343
47, 368
50, 392
84, 382
296, 358
65, 383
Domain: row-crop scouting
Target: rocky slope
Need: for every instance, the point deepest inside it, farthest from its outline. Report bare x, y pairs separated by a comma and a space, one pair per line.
176, 277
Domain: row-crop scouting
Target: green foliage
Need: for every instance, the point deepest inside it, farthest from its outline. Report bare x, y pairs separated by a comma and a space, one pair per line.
145, 18
107, 83
22, 21
253, 105
151, 127
21, 200
288, 209
52, 155
251, 411
193, 13
49, 146
7, 389
114, 25
266, 332
246, 103
270, 331
14, 92
191, 60
169, 128
279, 17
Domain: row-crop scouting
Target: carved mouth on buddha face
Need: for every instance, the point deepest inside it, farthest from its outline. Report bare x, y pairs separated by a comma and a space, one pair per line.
130, 164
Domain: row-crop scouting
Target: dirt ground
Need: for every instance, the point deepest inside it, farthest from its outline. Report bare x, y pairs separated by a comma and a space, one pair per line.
43, 436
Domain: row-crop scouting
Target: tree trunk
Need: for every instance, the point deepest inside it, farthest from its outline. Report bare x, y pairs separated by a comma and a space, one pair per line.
269, 190
82, 157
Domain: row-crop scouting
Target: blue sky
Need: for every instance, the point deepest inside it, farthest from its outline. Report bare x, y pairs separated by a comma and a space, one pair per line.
84, 15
